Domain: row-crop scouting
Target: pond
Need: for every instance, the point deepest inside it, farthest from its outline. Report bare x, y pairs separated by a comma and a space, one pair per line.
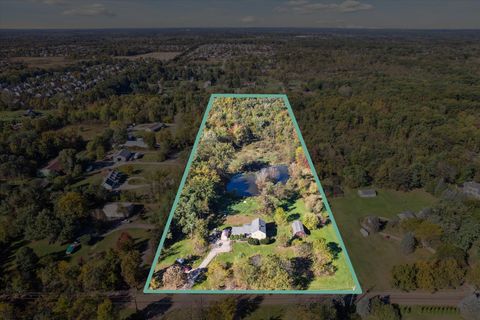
243, 184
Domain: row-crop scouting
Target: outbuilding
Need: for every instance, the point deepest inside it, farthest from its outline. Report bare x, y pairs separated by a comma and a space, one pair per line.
297, 229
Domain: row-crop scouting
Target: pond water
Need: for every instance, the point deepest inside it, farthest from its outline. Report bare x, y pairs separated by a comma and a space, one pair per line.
243, 184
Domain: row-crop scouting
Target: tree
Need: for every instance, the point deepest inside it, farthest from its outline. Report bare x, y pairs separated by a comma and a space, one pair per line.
311, 221
280, 216
131, 267
216, 275
106, 311
380, 310
174, 277
322, 259
307, 311
425, 276
68, 160
408, 243
403, 277
26, 263
71, 204
125, 242
274, 273
224, 309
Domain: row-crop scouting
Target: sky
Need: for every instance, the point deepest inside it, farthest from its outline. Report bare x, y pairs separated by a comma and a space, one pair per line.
401, 14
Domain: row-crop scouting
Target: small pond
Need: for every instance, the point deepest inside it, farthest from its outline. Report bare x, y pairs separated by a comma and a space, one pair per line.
243, 184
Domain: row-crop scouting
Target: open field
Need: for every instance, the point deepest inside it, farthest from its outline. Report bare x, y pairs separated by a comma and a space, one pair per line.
19, 114
43, 248
373, 257
158, 55
45, 62
87, 131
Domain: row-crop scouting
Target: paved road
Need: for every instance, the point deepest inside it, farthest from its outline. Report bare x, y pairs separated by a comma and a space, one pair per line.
224, 247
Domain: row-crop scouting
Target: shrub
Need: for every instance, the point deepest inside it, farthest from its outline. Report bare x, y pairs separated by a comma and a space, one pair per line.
253, 241
267, 240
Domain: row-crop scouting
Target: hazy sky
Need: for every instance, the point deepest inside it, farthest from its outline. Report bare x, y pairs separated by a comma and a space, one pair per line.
421, 14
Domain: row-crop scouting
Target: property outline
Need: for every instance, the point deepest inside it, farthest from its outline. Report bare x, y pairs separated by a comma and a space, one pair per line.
356, 289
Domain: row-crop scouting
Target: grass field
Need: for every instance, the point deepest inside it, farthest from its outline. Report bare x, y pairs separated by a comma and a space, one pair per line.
19, 114
42, 248
373, 257
158, 55
87, 131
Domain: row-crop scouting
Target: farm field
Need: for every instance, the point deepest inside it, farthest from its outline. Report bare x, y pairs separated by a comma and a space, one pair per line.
373, 256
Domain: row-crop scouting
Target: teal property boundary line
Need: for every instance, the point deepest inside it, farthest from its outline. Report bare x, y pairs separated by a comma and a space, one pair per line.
356, 289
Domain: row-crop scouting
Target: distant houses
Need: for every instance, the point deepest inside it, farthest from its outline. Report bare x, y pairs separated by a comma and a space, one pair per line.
471, 189
367, 193
113, 180
297, 229
257, 229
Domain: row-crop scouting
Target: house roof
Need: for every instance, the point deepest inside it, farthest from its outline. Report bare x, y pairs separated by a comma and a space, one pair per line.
54, 165
248, 228
113, 210
297, 226
123, 153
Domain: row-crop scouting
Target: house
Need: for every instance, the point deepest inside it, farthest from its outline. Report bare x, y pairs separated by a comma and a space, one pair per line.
256, 229
367, 193
113, 180
472, 189
406, 215
136, 143
297, 229
154, 127
31, 113
53, 167
371, 224
118, 210
122, 155
225, 234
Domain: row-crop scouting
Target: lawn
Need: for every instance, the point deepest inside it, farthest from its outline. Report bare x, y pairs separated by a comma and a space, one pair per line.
43, 248
373, 257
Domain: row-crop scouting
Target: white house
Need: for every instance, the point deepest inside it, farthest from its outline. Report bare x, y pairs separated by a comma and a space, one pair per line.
256, 229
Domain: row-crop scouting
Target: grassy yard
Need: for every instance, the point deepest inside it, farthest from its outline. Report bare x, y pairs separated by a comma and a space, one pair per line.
43, 248
373, 257
87, 131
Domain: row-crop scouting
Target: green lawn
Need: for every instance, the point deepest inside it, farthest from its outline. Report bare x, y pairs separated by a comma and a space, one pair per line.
373, 257
43, 248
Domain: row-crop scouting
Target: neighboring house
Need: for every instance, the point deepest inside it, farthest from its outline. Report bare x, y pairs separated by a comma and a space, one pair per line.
367, 193
31, 113
122, 155
371, 224
154, 127
225, 234
113, 180
297, 229
136, 143
256, 229
472, 189
406, 215
53, 167
118, 210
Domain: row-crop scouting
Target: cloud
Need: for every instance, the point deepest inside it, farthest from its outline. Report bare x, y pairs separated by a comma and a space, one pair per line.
95, 9
248, 19
50, 2
308, 7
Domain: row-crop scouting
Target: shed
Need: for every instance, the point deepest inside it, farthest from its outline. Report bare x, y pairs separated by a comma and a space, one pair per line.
367, 193
154, 127
297, 229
